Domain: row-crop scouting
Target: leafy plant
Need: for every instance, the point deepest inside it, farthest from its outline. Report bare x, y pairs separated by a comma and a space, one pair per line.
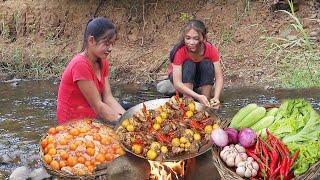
296, 58
185, 16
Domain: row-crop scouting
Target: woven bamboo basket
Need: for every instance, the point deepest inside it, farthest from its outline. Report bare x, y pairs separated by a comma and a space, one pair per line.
230, 174
99, 173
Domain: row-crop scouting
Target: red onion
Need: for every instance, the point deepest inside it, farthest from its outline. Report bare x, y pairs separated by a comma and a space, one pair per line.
232, 135
247, 137
219, 137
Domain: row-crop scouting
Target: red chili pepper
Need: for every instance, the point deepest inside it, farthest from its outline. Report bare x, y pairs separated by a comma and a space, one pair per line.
138, 141
283, 168
274, 160
205, 121
294, 157
196, 125
288, 167
162, 138
177, 95
275, 173
257, 149
280, 144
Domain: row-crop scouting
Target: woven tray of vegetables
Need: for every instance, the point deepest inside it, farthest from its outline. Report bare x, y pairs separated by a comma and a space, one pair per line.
269, 142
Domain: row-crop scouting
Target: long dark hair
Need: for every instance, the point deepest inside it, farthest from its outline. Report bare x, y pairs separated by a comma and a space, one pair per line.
195, 24
100, 28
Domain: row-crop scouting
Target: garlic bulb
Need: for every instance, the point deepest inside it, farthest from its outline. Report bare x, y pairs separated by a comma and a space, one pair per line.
247, 168
232, 155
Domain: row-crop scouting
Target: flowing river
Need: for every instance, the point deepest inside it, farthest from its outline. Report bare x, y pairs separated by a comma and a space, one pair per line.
27, 110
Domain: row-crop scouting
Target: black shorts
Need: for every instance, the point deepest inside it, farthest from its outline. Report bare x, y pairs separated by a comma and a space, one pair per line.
197, 73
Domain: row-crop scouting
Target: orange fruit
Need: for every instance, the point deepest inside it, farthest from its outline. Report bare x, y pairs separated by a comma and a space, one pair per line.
63, 142
81, 160
73, 147
78, 142
120, 151
46, 150
90, 151
55, 165
69, 137
84, 130
50, 146
50, 139
64, 155
74, 132
90, 144
52, 131
93, 162
91, 168
71, 161
52, 151
44, 143
87, 163
97, 137
62, 164
109, 157
47, 158
59, 128
111, 151
100, 158
105, 141
115, 146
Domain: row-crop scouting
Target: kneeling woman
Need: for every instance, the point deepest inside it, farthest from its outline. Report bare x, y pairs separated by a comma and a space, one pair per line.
84, 91
196, 64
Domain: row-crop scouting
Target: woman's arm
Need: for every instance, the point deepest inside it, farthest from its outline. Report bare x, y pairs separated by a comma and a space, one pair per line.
90, 92
110, 100
178, 84
218, 81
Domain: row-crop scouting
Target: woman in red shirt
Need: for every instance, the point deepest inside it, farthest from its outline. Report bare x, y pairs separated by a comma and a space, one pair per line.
196, 64
84, 91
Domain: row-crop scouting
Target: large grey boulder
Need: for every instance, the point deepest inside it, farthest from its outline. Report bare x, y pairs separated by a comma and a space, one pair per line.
165, 87
20, 173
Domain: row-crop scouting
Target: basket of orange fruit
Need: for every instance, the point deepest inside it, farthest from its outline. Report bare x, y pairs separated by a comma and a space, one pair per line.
78, 149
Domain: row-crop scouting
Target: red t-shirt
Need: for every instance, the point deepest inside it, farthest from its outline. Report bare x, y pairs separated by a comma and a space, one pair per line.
210, 52
71, 103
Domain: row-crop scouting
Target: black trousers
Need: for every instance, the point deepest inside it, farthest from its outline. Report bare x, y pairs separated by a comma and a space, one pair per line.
199, 74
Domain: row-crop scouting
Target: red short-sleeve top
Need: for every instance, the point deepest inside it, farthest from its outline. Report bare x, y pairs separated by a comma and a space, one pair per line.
72, 104
210, 52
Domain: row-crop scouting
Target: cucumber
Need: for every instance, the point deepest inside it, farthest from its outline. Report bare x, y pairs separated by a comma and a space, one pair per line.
263, 123
272, 112
242, 113
253, 117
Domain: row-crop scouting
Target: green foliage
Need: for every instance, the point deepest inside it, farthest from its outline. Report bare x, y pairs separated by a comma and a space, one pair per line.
26, 64
296, 58
185, 16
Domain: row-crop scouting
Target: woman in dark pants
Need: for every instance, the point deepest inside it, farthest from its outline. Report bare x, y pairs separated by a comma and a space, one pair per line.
196, 64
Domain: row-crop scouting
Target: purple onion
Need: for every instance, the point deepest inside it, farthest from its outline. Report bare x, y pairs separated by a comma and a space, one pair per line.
247, 137
219, 137
232, 135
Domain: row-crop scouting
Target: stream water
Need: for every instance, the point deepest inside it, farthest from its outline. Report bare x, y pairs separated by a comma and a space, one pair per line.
27, 110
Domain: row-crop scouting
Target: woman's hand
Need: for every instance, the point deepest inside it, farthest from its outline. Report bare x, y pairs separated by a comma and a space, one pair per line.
111, 115
215, 103
203, 100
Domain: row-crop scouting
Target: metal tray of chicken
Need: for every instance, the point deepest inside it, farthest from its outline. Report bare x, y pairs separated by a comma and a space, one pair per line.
199, 148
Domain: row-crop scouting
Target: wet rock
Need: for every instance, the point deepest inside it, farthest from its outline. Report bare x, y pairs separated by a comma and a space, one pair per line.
20, 173
39, 174
125, 168
6, 159
165, 87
